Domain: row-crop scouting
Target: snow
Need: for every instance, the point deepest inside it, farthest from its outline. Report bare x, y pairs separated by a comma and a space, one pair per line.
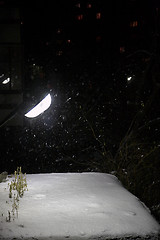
75, 206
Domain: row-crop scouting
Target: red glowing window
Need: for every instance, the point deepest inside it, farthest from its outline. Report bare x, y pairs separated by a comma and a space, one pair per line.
79, 17
98, 15
134, 24
89, 5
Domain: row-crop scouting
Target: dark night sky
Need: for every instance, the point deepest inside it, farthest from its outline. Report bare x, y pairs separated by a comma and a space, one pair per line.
44, 17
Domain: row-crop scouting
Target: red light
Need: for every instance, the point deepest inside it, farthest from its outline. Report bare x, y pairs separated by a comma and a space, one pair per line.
89, 5
134, 24
79, 17
98, 15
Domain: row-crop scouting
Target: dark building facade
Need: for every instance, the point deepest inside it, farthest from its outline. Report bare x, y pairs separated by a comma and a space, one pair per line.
11, 63
98, 29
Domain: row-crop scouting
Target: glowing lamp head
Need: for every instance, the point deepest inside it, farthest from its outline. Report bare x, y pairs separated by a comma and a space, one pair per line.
7, 80
40, 107
3, 79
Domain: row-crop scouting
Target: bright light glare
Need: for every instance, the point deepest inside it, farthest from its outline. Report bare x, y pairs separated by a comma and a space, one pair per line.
40, 107
7, 80
129, 79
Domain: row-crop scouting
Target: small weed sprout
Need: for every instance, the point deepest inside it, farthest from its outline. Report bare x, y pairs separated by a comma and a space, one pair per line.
19, 183
17, 187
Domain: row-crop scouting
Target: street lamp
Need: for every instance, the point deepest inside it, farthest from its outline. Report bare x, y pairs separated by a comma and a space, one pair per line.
40, 107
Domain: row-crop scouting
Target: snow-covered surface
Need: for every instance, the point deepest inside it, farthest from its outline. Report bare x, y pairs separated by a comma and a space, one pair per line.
75, 206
